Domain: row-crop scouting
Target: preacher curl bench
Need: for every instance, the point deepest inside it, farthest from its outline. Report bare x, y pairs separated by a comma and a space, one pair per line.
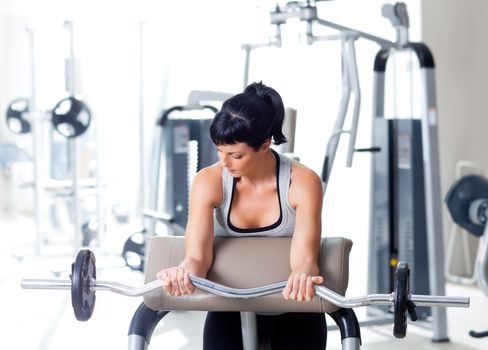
245, 263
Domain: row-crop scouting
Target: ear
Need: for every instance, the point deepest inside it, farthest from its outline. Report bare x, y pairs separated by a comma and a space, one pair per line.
266, 145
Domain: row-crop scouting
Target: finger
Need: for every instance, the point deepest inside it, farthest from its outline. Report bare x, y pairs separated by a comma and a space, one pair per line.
310, 290
295, 286
174, 282
286, 292
317, 279
167, 286
181, 281
189, 287
163, 276
302, 288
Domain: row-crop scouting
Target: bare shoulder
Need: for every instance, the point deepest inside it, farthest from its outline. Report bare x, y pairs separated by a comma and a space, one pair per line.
305, 184
302, 174
207, 185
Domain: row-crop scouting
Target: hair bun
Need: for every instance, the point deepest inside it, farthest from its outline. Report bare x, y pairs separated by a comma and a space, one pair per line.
273, 100
258, 89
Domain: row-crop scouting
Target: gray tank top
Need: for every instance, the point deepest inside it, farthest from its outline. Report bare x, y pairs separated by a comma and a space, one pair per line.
285, 226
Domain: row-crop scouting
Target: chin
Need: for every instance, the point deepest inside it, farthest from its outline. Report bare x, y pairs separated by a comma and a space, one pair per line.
234, 173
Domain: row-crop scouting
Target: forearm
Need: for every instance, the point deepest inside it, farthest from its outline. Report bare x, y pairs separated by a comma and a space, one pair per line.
304, 254
304, 265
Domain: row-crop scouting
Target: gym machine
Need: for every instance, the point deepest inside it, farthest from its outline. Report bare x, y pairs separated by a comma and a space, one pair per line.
460, 242
228, 254
406, 218
406, 222
182, 147
467, 202
69, 119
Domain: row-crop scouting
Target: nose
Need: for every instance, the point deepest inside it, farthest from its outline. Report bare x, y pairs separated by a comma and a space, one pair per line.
224, 160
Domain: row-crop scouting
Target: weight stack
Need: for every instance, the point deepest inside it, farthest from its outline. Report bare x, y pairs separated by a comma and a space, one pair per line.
187, 148
398, 229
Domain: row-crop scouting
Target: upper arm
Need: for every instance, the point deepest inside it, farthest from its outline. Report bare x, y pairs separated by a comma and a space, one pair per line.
205, 194
306, 197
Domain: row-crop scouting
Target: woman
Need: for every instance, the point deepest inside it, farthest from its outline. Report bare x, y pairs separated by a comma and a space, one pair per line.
254, 191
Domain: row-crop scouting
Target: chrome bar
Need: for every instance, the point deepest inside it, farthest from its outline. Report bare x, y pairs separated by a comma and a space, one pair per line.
351, 302
228, 292
158, 215
45, 284
438, 300
382, 42
127, 290
244, 293
249, 330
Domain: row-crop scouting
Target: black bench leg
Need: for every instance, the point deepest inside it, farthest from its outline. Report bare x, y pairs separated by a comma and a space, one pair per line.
348, 324
142, 326
475, 334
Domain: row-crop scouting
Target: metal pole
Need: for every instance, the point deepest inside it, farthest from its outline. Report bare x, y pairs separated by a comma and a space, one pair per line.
36, 139
247, 59
249, 327
433, 197
73, 142
482, 262
333, 142
352, 67
142, 172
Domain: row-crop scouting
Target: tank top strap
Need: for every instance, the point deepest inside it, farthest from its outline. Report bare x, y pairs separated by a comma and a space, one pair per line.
286, 224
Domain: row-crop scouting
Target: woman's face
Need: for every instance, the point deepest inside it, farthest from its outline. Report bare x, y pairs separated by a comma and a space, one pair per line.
238, 158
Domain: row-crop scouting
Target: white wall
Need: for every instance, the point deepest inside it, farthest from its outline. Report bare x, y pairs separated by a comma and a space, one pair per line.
457, 31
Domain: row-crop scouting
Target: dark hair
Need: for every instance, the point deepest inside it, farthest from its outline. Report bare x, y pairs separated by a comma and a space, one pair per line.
252, 116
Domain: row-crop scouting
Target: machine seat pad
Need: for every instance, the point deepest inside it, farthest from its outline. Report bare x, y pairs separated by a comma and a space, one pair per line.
247, 262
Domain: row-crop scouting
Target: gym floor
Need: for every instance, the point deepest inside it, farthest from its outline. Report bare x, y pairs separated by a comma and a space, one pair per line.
41, 320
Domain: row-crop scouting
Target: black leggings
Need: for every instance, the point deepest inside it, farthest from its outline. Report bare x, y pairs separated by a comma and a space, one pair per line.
289, 331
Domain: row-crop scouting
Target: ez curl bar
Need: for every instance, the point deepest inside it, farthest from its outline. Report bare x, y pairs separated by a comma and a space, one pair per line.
83, 285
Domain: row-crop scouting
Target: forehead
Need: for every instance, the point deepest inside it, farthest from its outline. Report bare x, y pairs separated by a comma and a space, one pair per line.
238, 147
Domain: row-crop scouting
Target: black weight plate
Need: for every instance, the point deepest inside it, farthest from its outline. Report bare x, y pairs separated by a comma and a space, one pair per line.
459, 197
402, 291
134, 251
16, 121
71, 117
83, 273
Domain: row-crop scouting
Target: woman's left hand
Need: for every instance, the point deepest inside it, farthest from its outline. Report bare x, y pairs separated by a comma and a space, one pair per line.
300, 286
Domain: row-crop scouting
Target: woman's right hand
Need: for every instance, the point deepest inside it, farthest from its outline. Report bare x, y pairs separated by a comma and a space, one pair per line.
176, 281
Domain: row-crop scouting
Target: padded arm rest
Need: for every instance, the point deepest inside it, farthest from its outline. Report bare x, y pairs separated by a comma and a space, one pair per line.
247, 262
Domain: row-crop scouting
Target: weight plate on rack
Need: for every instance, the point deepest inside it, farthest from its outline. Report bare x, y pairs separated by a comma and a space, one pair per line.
71, 117
16, 113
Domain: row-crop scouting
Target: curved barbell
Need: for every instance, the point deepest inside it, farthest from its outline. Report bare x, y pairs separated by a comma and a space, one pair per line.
83, 285
245, 293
